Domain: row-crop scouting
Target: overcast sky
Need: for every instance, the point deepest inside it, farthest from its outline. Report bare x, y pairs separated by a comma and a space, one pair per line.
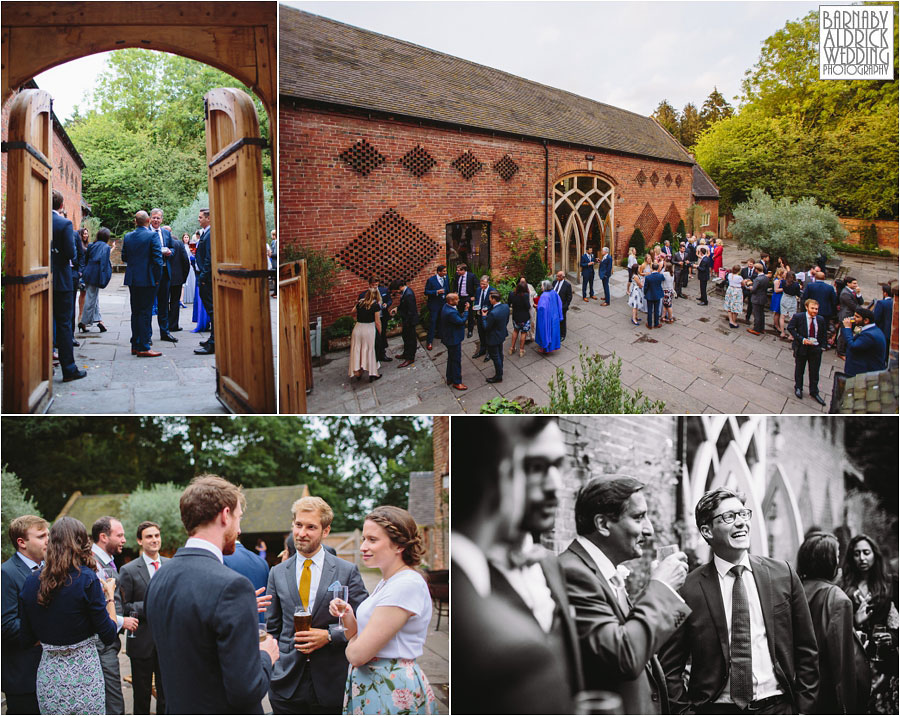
628, 54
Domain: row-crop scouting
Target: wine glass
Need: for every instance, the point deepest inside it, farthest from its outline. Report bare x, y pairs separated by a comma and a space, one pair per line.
341, 591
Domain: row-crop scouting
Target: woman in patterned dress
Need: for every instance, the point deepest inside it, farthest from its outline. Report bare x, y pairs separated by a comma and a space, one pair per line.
790, 298
734, 296
63, 607
387, 633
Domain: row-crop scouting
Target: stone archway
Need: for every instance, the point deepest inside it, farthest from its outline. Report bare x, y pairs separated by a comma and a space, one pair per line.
583, 215
238, 38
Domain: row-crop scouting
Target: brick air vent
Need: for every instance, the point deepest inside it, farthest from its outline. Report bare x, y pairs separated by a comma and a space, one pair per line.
654, 179
641, 177
506, 168
391, 247
648, 223
362, 157
467, 165
668, 179
678, 180
418, 161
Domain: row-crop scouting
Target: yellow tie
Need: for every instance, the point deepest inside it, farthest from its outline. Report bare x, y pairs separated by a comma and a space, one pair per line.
305, 579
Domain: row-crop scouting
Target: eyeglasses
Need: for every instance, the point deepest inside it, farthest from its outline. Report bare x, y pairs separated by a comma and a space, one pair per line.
728, 517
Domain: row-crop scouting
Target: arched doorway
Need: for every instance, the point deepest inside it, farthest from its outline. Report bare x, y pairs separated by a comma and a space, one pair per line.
583, 206
238, 38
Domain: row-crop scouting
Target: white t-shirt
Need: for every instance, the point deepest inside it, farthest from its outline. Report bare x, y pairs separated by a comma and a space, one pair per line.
632, 261
734, 280
669, 282
408, 590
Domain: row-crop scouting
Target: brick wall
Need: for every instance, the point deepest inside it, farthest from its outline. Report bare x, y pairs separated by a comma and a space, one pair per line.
66, 173
887, 231
327, 205
441, 448
712, 206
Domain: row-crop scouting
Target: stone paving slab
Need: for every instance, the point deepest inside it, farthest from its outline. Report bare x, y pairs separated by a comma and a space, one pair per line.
698, 364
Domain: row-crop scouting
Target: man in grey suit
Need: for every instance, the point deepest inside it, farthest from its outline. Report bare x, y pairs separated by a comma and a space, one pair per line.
134, 578
312, 672
203, 615
619, 639
18, 673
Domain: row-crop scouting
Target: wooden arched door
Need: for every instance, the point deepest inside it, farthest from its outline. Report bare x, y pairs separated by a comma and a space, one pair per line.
245, 372
27, 327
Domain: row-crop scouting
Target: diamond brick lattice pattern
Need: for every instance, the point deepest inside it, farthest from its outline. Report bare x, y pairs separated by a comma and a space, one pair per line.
648, 223
672, 216
668, 179
654, 178
678, 180
392, 247
418, 161
467, 165
362, 157
506, 168
641, 177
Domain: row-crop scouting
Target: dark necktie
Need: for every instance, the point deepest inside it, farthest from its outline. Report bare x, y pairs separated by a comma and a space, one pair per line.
741, 656
460, 285
812, 328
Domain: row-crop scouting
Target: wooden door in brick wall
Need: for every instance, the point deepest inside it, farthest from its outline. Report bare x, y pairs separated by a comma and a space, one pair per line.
27, 321
245, 372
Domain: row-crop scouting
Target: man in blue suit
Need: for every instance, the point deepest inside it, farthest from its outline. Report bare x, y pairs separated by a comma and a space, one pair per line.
179, 265
168, 248
481, 302
865, 350
435, 295
204, 281
496, 320
884, 315
587, 273
203, 616
252, 566
453, 325
810, 333
653, 292
28, 534
604, 271
62, 255
142, 253
823, 292
310, 676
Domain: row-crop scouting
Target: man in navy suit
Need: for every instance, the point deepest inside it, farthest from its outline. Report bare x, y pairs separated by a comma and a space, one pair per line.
884, 315
496, 319
453, 327
653, 292
465, 289
203, 616
252, 566
179, 264
823, 292
436, 288
203, 266
311, 674
604, 271
810, 333
131, 588
564, 289
866, 349
168, 248
62, 254
481, 302
703, 268
764, 658
409, 314
28, 534
587, 273
142, 253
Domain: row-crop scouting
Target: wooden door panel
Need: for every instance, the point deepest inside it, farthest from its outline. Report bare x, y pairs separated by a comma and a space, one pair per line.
28, 369
245, 370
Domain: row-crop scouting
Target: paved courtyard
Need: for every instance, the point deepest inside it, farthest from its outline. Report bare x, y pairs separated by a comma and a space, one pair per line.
178, 382
696, 365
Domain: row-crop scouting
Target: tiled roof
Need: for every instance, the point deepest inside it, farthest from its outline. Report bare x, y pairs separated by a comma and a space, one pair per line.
325, 61
870, 393
421, 497
703, 187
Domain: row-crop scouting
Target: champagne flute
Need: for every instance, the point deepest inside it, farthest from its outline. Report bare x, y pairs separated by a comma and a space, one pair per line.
341, 591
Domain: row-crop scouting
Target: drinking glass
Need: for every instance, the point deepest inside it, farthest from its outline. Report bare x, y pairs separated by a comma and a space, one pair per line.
342, 592
131, 634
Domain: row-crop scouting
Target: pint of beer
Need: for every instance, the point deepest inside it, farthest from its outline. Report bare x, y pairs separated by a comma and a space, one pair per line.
302, 619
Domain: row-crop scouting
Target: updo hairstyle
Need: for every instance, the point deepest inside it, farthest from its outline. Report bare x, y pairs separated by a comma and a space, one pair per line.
401, 529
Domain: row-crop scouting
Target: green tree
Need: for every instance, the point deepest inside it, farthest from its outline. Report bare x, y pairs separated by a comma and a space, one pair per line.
15, 503
637, 240
689, 125
680, 232
597, 388
715, 107
799, 231
667, 234
535, 270
667, 116
159, 504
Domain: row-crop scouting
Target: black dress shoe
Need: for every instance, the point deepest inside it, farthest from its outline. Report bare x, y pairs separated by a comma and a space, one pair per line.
373, 378
487, 358
205, 350
101, 327
81, 374
386, 359
818, 398
494, 379
75, 344
478, 354
168, 337
799, 393
82, 328
175, 330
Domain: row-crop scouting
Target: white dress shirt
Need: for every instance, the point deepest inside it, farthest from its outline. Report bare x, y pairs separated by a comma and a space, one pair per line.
531, 585
764, 682
149, 563
103, 559
207, 545
30, 563
315, 573
471, 560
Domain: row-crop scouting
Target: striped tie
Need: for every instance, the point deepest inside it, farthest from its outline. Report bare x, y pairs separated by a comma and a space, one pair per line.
741, 657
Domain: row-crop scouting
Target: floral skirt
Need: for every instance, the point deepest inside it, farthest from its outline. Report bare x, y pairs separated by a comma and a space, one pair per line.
668, 295
734, 299
68, 679
388, 686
